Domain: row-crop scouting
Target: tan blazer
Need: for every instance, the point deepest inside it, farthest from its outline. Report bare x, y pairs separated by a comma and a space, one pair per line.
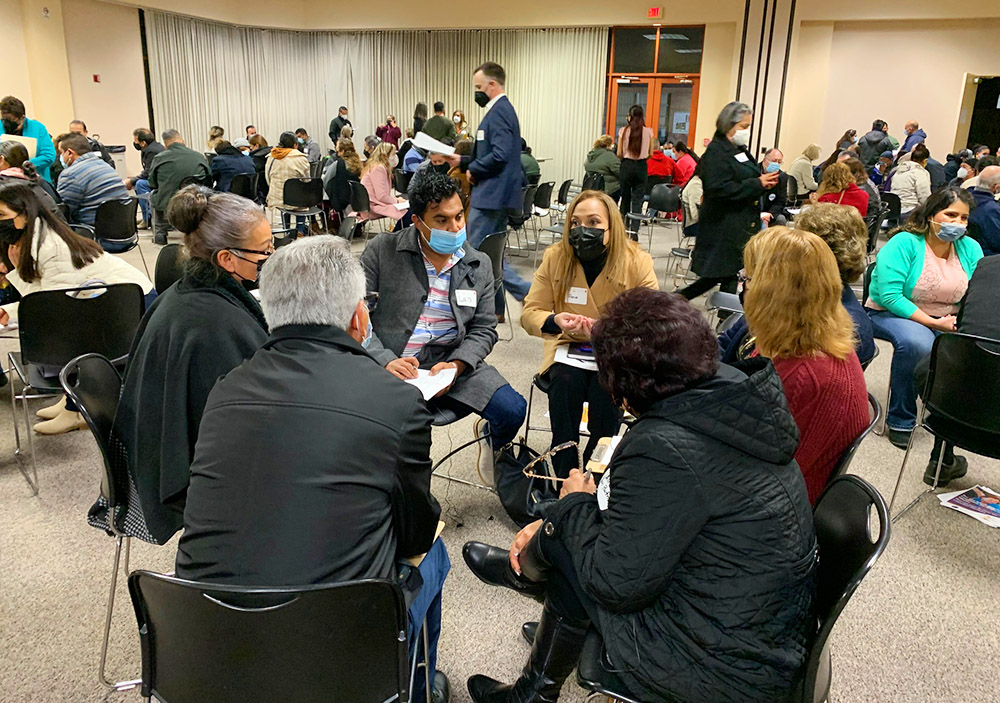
540, 301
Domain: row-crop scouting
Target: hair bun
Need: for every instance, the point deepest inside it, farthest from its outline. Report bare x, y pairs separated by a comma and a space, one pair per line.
188, 207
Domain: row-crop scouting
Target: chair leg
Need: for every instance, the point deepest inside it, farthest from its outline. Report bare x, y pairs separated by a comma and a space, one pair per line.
899, 480
880, 431
121, 685
32, 482
428, 674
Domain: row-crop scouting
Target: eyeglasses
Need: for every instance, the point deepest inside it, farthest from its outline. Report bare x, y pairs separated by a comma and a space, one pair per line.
259, 263
371, 300
542, 457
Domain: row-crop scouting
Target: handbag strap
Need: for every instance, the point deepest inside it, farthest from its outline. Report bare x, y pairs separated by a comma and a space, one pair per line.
841, 199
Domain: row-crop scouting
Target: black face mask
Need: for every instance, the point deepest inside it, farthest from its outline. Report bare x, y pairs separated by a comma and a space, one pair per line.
9, 232
11, 127
482, 98
441, 168
588, 243
137, 146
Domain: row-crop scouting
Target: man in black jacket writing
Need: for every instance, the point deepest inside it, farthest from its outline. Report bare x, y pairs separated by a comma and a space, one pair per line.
313, 462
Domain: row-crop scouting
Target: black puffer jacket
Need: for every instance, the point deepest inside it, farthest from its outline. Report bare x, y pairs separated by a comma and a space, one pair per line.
871, 146
702, 564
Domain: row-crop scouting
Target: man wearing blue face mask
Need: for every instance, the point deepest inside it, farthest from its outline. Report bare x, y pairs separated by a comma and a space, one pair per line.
308, 145
436, 311
775, 199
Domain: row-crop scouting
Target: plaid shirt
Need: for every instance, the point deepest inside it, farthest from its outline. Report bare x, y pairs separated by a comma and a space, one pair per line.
437, 321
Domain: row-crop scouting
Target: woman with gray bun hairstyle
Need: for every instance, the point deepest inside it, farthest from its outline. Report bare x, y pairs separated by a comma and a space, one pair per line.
730, 210
198, 329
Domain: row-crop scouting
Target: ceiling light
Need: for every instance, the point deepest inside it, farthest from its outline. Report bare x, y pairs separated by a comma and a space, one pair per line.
651, 37
678, 37
688, 51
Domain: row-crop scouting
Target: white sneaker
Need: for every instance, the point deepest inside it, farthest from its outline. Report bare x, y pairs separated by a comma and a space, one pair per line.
484, 464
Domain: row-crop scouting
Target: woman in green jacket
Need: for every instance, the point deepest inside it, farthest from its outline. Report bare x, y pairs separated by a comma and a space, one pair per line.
916, 286
604, 161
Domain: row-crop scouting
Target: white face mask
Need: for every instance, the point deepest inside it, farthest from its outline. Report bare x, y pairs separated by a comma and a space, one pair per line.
394, 161
742, 137
456, 119
963, 172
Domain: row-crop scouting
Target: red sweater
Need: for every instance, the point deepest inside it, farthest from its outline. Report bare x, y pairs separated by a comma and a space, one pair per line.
829, 401
659, 164
852, 196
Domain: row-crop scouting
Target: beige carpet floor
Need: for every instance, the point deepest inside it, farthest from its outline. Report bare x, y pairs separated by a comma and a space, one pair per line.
922, 627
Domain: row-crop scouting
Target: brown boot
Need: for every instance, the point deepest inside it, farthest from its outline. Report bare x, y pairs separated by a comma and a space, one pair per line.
65, 421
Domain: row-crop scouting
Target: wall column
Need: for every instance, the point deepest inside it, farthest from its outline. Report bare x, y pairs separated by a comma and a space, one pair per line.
48, 69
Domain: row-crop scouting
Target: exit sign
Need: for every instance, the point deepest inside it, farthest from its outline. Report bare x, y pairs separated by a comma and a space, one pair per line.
654, 13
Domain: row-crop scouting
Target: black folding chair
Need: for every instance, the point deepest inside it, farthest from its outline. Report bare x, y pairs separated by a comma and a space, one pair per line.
792, 194
303, 197
244, 185
361, 206
401, 180
94, 385
56, 326
895, 207
848, 455
168, 269
961, 402
493, 246
849, 545
116, 229
593, 181
542, 207
865, 287
348, 226
663, 198
517, 221
874, 221
228, 644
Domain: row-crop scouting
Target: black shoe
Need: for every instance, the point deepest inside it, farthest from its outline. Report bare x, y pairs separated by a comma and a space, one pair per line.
949, 472
554, 653
441, 689
492, 565
528, 631
899, 438
162, 241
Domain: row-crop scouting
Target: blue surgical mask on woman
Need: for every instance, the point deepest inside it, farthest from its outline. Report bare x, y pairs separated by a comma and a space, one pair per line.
950, 231
773, 167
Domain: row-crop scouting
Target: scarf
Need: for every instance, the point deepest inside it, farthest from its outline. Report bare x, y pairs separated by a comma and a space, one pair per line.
280, 152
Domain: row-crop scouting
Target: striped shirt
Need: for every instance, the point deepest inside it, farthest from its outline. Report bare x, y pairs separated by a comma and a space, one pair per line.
86, 183
437, 321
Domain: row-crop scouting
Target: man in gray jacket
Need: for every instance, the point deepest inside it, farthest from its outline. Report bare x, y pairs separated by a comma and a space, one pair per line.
435, 311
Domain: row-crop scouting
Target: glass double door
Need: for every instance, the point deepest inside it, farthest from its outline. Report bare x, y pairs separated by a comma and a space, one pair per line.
669, 105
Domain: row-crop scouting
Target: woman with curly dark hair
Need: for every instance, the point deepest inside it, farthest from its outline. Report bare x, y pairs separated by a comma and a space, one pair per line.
694, 557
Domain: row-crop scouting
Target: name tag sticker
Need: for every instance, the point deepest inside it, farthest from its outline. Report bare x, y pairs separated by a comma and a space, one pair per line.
742, 158
466, 298
771, 197
480, 135
577, 296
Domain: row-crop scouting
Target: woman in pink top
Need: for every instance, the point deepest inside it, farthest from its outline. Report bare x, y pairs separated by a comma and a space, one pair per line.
635, 145
376, 178
686, 164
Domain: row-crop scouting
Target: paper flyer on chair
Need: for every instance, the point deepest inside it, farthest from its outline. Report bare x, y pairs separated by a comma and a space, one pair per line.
977, 502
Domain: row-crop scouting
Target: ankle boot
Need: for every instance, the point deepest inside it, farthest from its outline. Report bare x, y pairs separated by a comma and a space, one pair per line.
51, 412
65, 421
554, 653
492, 565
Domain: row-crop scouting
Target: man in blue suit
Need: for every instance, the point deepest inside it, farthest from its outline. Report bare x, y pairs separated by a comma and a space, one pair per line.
494, 170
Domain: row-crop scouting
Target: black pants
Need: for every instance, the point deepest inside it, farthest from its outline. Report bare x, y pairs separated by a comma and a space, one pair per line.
633, 189
727, 284
569, 388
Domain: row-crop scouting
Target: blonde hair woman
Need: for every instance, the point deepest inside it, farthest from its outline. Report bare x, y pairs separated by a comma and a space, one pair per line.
838, 187
461, 126
593, 262
376, 177
793, 307
215, 135
802, 170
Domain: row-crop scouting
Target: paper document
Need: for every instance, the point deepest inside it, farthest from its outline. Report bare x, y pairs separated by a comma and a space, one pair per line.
404, 205
977, 502
563, 357
584, 419
429, 385
30, 143
425, 142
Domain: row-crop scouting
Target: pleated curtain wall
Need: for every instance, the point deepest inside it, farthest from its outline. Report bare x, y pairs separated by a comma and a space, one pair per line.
204, 73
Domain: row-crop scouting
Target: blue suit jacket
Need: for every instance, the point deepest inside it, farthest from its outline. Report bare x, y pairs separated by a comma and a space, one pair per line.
984, 222
496, 160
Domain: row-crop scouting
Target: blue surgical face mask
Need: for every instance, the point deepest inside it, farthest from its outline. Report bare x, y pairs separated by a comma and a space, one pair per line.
444, 242
301, 140
773, 167
669, 152
950, 231
368, 335
62, 160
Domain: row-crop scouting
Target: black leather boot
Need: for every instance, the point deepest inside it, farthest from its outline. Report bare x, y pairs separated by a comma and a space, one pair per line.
528, 631
554, 653
492, 565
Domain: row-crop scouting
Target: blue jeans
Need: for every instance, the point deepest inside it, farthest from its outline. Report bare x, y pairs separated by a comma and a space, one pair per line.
142, 187
505, 414
483, 223
433, 570
911, 342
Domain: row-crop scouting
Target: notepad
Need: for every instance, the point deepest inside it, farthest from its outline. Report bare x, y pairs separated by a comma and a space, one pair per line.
403, 205
425, 142
429, 385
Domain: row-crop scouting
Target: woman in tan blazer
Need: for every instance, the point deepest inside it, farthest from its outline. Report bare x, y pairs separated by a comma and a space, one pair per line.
578, 276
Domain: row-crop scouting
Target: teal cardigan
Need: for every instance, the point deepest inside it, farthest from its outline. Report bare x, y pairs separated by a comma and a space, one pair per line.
899, 265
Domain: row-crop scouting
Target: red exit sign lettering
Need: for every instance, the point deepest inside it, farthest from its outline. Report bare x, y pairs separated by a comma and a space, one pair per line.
654, 13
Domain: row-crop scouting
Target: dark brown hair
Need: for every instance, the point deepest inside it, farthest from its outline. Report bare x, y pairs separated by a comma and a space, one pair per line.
636, 122
649, 345
21, 198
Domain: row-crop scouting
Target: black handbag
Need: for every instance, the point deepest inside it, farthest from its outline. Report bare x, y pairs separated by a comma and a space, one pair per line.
524, 498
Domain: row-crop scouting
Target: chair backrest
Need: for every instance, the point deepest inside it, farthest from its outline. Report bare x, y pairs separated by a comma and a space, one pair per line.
793, 188
168, 267
115, 219
516, 220
727, 302
664, 198
56, 326
303, 192
840, 468
347, 227
563, 197
876, 218
653, 181
543, 196
848, 548
493, 246
94, 385
533, 179
332, 642
895, 206
359, 197
593, 181
244, 185
205, 180
316, 169
401, 179
962, 382
867, 281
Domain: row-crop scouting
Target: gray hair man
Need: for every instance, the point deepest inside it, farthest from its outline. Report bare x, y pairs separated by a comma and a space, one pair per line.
984, 220
312, 438
170, 170
775, 199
